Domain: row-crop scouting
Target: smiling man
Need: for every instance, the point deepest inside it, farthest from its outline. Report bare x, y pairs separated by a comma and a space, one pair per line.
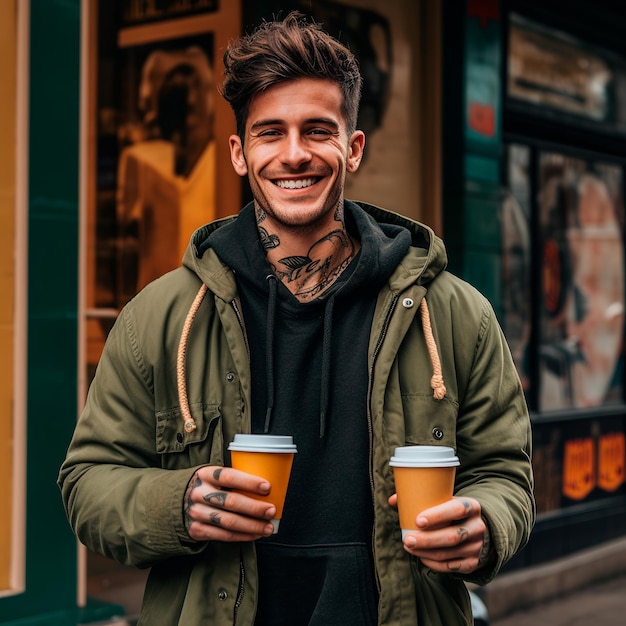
321, 318
297, 151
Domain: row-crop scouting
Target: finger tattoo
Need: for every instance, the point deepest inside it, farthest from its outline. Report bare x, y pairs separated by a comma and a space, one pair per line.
454, 568
462, 534
215, 519
218, 498
217, 473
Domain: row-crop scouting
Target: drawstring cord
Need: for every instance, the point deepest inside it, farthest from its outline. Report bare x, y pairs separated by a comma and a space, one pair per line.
325, 381
189, 422
436, 381
269, 350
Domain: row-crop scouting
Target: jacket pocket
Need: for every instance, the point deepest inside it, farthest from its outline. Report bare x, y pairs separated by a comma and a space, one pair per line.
179, 448
428, 421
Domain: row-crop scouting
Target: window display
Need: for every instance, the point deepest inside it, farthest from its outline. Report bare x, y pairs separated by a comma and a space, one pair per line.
581, 216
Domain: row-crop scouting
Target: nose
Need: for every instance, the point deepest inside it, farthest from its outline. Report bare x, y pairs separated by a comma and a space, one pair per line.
295, 151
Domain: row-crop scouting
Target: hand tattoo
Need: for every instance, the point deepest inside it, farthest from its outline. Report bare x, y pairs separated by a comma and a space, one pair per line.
188, 501
216, 519
486, 551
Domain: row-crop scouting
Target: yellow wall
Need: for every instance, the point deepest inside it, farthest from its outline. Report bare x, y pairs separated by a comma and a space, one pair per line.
7, 274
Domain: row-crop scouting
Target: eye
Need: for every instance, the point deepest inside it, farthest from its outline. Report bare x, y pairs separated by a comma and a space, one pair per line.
319, 133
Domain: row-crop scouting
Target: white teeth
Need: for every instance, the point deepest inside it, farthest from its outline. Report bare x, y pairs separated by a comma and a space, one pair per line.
295, 184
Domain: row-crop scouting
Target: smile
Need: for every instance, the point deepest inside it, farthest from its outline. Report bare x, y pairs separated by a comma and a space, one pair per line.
296, 184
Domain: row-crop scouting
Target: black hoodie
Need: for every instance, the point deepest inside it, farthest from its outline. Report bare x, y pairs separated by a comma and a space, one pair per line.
309, 380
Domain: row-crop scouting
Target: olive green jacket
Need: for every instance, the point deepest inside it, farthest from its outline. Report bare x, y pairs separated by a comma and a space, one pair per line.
130, 459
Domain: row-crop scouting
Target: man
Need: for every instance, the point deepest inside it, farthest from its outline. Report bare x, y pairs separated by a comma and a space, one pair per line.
313, 316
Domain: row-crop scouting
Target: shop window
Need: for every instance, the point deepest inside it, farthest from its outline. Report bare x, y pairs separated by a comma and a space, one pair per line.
581, 217
161, 142
575, 251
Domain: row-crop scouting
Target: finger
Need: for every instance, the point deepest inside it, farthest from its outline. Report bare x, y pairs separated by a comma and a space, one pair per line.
232, 522
449, 512
222, 526
233, 502
229, 478
469, 533
452, 566
393, 500
466, 550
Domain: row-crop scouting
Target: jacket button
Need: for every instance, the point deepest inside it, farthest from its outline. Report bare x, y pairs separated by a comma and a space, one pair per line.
179, 437
407, 303
437, 433
230, 377
222, 594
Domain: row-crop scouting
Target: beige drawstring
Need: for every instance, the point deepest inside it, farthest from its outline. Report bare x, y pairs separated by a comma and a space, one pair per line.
436, 381
190, 423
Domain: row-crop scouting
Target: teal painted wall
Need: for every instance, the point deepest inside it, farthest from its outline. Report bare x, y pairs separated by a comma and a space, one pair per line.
50, 596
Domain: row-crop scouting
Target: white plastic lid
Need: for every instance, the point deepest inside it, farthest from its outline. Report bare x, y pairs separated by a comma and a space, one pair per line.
263, 443
424, 456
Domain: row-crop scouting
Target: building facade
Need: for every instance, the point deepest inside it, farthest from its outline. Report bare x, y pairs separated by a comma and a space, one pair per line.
500, 123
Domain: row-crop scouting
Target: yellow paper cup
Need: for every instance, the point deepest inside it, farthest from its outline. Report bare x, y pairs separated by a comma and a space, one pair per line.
268, 456
424, 477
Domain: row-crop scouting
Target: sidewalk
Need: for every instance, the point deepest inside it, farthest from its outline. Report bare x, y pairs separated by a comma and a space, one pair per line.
587, 587
602, 603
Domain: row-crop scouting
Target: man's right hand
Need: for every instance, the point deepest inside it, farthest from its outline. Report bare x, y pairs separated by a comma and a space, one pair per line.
213, 511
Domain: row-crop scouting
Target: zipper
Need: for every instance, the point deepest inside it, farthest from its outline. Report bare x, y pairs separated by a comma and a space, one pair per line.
240, 591
370, 425
239, 315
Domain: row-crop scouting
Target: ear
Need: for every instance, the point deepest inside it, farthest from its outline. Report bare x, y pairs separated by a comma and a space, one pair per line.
355, 150
237, 157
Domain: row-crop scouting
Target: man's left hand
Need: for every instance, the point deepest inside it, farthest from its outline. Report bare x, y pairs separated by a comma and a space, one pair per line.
453, 537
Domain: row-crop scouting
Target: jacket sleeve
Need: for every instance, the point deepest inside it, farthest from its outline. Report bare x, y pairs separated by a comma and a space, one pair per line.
118, 499
494, 441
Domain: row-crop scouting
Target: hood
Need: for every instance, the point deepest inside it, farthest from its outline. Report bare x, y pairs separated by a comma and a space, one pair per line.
394, 249
425, 258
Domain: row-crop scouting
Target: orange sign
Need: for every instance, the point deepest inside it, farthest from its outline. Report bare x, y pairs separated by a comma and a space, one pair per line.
482, 119
611, 461
578, 468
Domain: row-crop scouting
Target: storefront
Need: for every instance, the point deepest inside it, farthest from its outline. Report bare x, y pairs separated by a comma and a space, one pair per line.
542, 234
501, 123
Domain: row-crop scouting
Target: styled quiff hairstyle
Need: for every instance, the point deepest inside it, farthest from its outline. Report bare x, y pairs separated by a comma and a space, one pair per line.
286, 50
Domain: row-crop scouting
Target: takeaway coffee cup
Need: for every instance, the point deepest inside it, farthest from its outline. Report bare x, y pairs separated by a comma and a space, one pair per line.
424, 477
268, 456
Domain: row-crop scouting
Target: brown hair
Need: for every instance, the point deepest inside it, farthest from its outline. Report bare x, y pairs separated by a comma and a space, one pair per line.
285, 50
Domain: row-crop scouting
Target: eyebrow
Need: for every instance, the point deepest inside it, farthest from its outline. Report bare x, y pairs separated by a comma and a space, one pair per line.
314, 120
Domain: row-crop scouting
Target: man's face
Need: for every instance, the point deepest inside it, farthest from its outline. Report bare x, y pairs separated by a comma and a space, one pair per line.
297, 153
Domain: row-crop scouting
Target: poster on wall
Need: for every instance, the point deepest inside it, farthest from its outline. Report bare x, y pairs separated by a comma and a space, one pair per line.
581, 215
160, 130
551, 69
165, 143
